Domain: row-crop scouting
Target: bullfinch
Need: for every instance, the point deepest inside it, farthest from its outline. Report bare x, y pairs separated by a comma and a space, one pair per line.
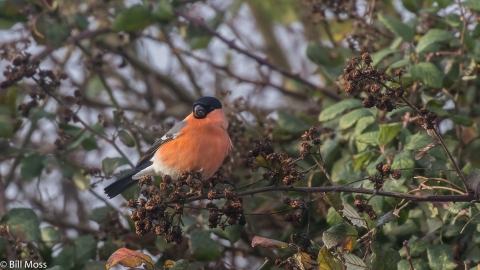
198, 143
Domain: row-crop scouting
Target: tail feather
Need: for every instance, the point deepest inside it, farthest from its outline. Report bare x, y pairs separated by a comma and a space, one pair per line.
125, 182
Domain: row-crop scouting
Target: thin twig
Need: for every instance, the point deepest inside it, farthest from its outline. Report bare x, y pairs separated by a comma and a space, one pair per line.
262, 61
409, 258
264, 263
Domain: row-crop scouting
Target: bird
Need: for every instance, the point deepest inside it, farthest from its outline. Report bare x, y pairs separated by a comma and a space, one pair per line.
200, 142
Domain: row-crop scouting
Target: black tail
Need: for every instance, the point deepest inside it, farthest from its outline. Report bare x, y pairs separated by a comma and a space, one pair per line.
125, 182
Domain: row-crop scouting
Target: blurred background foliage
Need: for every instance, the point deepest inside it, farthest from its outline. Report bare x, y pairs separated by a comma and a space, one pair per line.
88, 85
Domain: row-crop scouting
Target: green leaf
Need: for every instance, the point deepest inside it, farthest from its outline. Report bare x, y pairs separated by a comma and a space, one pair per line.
147, 136
32, 166
163, 12
198, 37
57, 34
473, 181
440, 257
417, 141
388, 132
116, 119
282, 11
126, 138
453, 20
378, 56
135, 18
317, 54
85, 247
80, 21
433, 36
404, 160
353, 262
428, 73
342, 235
337, 108
56, 267
384, 259
333, 217
23, 223
66, 258
89, 144
101, 215
110, 164
3, 247
10, 13
180, 265
400, 63
397, 27
472, 4
50, 236
326, 260
231, 233
290, 123
350, 118
462, 120
352, 215
370, 138
335, 200
6, 123
203, 247
361, 158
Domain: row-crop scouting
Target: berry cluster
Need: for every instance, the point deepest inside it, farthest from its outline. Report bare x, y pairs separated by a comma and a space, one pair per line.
360, 76
162, 208
364, 207
22, 67
310, 137
232, 210
383, 171
295, 217
428, 119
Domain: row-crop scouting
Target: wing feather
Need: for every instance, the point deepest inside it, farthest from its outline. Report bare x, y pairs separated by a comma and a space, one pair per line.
172, 134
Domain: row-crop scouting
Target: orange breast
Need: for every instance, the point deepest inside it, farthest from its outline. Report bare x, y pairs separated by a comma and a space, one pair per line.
200, 147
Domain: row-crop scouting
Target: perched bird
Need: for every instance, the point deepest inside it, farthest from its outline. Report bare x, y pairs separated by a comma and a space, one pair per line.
198, 143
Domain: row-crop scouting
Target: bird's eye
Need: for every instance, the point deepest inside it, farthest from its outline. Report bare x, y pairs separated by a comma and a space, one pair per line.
199, 112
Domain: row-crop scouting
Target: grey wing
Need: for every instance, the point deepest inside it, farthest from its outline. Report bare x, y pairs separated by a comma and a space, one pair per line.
170, 135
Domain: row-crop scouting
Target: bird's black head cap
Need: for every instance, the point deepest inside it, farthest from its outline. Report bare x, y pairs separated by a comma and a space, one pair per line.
205, 105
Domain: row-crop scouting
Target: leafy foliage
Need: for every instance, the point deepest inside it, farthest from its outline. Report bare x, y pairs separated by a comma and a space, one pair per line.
355, 128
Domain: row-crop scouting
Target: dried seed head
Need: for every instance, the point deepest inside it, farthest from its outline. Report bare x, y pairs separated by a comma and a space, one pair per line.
396, 174
367, 59
386, 168
375, 88
368, 102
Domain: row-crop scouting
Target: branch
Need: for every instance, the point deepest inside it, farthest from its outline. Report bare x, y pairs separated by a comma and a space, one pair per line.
74, 39
444, 146
178, 90
260, 60
468, 197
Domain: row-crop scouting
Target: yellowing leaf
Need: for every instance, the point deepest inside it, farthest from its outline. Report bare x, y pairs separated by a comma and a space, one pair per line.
304, 262
268, 243
169, 264
129, 258
342, 235
326, 260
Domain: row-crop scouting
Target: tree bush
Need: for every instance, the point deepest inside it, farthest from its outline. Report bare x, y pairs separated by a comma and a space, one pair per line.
355, 127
